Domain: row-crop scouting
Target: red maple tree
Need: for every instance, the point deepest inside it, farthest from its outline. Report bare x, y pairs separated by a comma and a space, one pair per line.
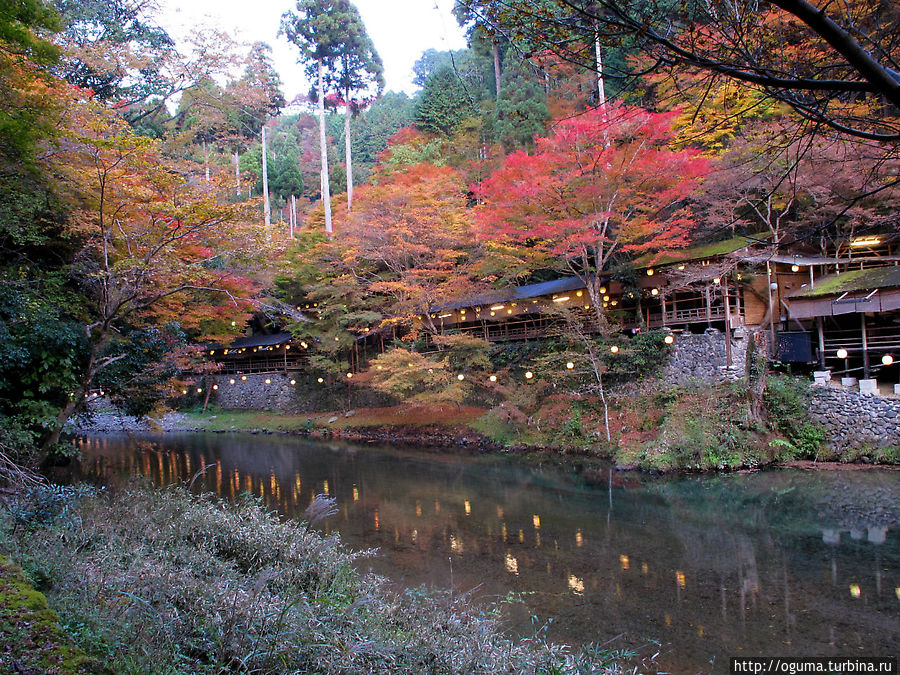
603, 182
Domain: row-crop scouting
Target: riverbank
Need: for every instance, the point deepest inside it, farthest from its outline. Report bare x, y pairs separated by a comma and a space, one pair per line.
157, 581
696, 428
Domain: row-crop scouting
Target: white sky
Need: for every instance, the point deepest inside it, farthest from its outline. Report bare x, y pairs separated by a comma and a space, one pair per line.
400, 29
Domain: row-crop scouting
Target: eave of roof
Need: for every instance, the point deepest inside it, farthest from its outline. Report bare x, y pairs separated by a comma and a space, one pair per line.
517, 293
852, 281
698, 252
260, 340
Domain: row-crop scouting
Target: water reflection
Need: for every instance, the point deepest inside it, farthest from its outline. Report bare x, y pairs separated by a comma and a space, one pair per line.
781, 562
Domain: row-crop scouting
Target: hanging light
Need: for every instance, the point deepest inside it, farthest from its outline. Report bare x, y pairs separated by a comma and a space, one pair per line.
215, 387
293, 382
493, 378
614, 349
231, 381
887, 359
650, 272
528, 375
460, 377
349, 376
199, 390
842, 353
570, 365
669, 339
320, 380
243, 378
655, 291
602, 290
268, 381
795, 268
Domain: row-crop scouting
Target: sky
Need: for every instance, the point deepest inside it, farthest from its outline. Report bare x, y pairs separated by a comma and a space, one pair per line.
400, 29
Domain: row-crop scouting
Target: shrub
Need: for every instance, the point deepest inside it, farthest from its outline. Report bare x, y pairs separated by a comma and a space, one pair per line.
787, 406
162, 581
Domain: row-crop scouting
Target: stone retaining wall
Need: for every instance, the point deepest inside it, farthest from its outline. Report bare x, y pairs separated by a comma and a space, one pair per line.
702, 357
254, 394
854, 420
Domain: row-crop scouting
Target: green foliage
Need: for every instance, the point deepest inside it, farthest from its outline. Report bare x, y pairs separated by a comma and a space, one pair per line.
111, 25
521, 112
639, 357
787, 404
443, 104
165, 581
136, 382
701, 429
41, 355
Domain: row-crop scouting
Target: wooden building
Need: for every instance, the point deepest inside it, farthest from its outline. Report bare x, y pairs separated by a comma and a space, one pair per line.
259, 354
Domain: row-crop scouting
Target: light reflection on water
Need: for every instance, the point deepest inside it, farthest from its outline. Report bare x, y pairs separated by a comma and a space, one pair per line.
785, 563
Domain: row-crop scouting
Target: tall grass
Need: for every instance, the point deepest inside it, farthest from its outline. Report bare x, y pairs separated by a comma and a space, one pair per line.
163, 581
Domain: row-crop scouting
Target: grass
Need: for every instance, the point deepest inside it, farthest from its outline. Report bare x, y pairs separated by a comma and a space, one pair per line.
401, 416
163, 581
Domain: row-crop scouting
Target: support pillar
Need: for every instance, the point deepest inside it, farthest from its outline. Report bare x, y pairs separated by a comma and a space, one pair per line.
865, 346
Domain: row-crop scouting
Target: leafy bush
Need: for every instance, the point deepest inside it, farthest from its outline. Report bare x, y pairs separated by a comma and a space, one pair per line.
787, 406
162, 581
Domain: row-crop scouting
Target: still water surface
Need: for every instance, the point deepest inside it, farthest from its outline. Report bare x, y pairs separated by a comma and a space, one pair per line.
773, 563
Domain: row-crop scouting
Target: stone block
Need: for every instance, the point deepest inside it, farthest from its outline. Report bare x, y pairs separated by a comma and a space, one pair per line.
897, 389
848, 381
823, 375
868, 386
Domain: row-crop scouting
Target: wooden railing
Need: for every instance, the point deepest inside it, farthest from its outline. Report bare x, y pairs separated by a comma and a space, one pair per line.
262, 364
692, 315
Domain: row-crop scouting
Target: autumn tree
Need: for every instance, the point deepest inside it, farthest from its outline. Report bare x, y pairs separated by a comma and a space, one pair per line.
317, 29
358, 72
155, 246
410, 238
836, 65
604, 182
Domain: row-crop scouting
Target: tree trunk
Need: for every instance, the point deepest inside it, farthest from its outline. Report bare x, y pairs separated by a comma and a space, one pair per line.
237, 173
348, 153
74, 403
265, 181
326, 191
496, 51
601, 92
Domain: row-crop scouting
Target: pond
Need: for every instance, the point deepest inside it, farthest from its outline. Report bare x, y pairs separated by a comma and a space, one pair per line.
802, 563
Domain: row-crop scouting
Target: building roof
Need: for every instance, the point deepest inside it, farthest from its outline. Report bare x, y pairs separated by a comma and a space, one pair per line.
260, 340
518, 293
851, 282
698, 252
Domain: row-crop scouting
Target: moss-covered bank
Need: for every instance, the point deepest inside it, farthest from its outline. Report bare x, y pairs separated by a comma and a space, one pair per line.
33, 642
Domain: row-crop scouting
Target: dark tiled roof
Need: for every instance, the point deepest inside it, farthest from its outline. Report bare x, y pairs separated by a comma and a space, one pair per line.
851, 282
517, 293
260, 340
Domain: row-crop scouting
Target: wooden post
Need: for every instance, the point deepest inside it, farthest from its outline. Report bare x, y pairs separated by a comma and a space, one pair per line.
706, 295
865, 346
727, 322
820, 326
